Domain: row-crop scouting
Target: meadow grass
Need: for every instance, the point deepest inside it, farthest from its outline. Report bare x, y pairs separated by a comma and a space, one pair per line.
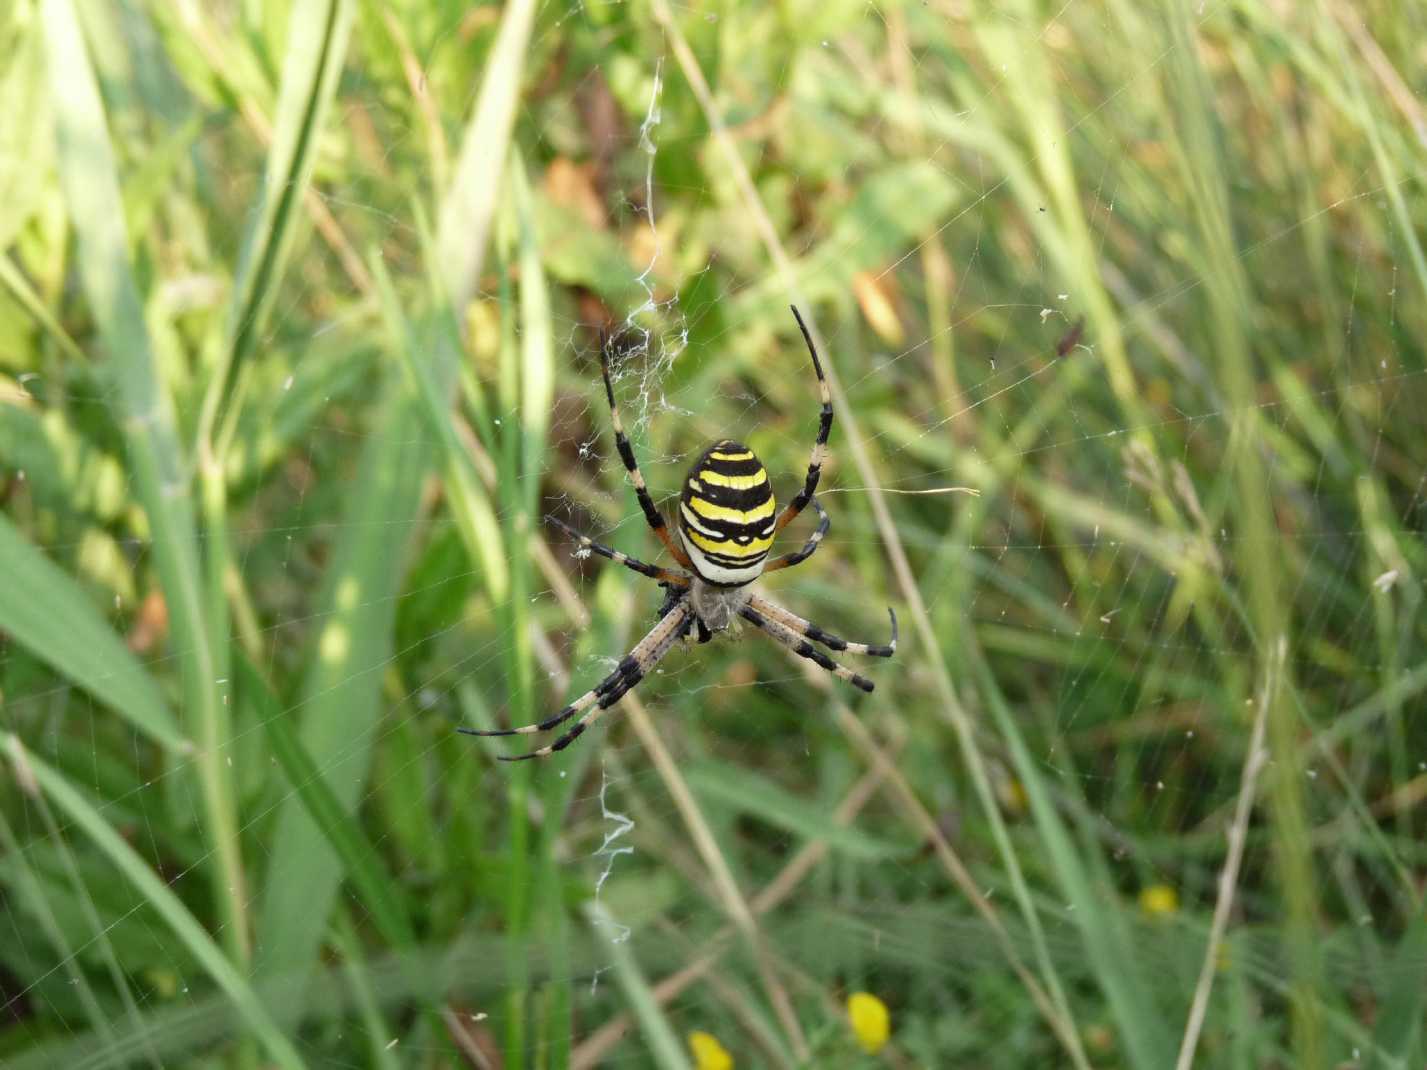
1121, 307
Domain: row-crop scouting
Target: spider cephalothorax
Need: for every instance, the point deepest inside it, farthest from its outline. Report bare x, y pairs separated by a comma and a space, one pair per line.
726, 526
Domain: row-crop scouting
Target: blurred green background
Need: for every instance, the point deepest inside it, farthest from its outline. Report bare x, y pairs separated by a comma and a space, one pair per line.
299, 307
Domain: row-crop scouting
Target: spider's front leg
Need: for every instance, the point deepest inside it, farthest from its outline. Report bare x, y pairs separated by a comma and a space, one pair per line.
632, 668
673, 595
666, 578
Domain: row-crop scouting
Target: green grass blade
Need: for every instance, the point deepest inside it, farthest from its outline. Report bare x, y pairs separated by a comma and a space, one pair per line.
1403, 995
316, 46
154, 888
537, 343
1094, 904
94, 925
89, 177
471, 203
30, 301
1228, 295
381, 896
747, 792
28, 896
664, 1046
374, 1023
469, 503
46, 610
536, 375
341, 697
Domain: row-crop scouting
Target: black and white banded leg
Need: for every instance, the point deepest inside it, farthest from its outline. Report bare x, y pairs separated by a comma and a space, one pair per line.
809, 547
815, 463
632, 668
626, 454
801, 647
663, 575
790, 620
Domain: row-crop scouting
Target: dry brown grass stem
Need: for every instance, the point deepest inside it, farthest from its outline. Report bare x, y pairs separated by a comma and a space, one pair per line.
1254, 762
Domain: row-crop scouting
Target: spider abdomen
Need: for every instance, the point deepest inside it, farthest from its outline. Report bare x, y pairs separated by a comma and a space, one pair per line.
726, 516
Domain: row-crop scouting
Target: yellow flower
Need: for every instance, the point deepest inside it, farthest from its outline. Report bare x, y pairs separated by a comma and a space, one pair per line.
870, 1021
709, 1054
1013, 796
1159, 899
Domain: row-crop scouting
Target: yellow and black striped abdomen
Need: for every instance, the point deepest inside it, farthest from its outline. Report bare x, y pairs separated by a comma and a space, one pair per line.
726, 514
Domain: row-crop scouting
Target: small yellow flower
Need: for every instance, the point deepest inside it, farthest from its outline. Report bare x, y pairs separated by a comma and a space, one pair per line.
870, 1021
1099, 1038
1013, 797
1158, 900
709, 1054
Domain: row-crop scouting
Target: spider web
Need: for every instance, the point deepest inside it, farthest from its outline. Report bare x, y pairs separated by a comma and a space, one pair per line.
1079, 551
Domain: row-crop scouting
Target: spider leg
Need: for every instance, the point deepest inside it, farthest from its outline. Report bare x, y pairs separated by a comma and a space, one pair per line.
632, 668
809, 547
793, 622
815, 462
663, 575
801, 647
626, 454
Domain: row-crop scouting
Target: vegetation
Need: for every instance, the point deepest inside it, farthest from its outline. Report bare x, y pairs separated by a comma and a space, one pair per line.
299, 312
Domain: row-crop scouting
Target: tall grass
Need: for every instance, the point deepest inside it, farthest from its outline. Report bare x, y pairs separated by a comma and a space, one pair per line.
298, 316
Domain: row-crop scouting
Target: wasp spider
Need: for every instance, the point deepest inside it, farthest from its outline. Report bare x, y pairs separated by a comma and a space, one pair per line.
726, 528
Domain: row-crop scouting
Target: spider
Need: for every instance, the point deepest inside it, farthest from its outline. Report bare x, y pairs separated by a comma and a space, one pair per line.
726, 526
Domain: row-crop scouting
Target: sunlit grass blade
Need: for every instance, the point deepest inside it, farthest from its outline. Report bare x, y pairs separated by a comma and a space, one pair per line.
162, 898
469, 208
